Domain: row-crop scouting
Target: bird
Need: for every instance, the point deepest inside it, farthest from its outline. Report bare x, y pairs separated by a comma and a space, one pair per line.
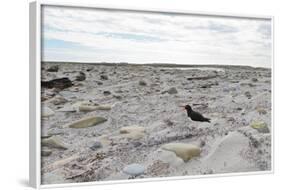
195, 116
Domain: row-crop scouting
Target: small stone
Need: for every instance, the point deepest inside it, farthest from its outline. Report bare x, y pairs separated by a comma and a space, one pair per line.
248, 95
96, 145
87, 122
81, 76
131, 129
172, 90
46, 152
106, 93
182, 150
261, 111
47, 112
53, 68
142, 83
99, 82
88, 108
254, 80
118, 97
134, 169
53, 142
260, 126
104, 77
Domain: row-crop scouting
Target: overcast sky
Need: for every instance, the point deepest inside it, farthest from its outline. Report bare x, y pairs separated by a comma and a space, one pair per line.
91, 35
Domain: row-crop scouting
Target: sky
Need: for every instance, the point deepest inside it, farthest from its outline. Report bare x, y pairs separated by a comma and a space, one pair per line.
99, 35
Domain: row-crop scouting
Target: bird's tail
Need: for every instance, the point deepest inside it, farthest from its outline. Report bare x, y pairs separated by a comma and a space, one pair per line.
207, 120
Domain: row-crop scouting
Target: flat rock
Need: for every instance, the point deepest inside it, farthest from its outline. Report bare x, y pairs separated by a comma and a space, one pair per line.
87, 122
131, 129
53, 142
47, 112
133, 132
260, 126
87, 108
182, 150
134, 169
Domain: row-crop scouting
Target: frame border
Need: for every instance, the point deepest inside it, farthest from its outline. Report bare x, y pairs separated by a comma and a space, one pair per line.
35, 16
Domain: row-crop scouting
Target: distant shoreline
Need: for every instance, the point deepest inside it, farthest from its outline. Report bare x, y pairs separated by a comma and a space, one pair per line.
158, 64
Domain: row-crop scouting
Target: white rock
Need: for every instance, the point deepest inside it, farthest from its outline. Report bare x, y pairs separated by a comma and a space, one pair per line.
133, 132
182, 150
169, 157
134, 169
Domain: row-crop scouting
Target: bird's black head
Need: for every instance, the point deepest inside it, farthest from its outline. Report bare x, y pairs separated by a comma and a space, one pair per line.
188, 108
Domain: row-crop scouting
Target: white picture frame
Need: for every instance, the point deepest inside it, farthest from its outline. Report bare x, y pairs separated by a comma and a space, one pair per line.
35, 89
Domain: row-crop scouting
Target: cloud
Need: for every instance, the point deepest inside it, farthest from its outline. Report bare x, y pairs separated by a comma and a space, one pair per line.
74, 34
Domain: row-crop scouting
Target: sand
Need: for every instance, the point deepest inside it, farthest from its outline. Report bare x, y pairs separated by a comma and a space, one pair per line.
148, 97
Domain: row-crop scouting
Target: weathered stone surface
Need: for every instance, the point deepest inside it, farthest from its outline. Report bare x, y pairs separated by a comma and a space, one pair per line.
53, 142
182, 150
87, 122
87, 108
134, 169
260, 126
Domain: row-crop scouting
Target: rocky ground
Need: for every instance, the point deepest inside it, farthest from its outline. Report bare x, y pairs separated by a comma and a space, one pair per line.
124, 122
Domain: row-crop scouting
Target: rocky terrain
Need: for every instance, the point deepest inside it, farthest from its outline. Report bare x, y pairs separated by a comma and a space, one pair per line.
107, 122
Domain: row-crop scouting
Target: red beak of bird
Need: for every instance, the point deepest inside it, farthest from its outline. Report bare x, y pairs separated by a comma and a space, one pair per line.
182, 107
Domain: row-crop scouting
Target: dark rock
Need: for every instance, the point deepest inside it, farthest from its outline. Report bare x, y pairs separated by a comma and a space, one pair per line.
142, 83
106, 93
254, 80
172, 90
96, 145
59, 83
104, 77
248, 95
53, 68
99, 82
81, 76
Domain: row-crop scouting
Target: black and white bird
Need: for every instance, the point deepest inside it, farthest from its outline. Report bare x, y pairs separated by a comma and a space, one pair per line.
195, 116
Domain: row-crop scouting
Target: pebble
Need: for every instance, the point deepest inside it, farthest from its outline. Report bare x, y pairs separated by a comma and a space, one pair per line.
53, 68
96, 145
142, 83
134, 169
104, 77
